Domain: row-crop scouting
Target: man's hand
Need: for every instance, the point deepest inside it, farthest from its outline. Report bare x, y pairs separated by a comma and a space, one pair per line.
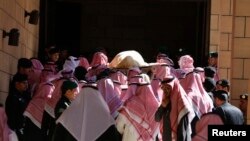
167, 89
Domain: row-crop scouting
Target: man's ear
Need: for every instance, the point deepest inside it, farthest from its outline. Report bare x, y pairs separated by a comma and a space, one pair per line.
16, 84
67, 92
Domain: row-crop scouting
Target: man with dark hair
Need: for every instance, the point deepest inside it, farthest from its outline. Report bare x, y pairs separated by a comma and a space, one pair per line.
69, 91
93, 122
24, 66
209, 83
80, 73
213, 59
223, 84
52, 60
209, 71
63, 55
174, 106
213, 62
243, 105
209, 86
230, 114
16, 103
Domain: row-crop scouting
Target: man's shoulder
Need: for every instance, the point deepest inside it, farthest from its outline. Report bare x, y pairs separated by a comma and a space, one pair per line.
229, 108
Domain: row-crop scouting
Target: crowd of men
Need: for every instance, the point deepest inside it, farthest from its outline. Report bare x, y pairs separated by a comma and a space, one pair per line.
127, 99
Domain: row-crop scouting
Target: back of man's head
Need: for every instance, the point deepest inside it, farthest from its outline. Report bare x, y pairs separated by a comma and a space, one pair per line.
209, 71
213, 54
221, 95
24, 63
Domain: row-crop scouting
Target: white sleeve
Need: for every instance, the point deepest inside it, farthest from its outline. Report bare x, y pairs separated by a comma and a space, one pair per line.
13, 136
125, 128
121, 123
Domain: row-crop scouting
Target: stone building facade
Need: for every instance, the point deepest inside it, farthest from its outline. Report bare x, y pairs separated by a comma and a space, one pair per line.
229, 35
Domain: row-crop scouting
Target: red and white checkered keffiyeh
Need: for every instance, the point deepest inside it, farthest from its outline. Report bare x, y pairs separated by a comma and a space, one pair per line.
110, 95
34, 75
99, 58
201, 101
35, 108
160, 71
50, 104
140, 110
180, 106
186, 63
84, 62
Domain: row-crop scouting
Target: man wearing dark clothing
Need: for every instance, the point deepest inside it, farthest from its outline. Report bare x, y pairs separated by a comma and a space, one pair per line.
243, 106
61, 133
209, 71
47, 126
111, 134
174, 96
69, 91
164, 112
230, 114
213, 62
48, 121
16, 103
24, 66
209, 85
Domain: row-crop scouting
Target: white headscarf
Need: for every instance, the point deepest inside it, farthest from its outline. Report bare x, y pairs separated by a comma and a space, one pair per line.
88, 116
71, 63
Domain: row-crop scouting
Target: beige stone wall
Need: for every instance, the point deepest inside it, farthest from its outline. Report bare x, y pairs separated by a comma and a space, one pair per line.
12, 16
221, 34
241, 49
230, 32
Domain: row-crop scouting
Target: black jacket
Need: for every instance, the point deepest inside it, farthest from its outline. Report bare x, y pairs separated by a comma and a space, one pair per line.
15, 106
61, 105
183, 133
229, 114
111, 134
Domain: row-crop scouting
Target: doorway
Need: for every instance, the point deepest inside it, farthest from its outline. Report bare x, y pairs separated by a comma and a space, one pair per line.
175, 26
